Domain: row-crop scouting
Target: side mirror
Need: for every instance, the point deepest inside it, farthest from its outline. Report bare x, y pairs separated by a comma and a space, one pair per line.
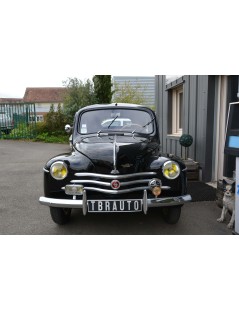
68, 128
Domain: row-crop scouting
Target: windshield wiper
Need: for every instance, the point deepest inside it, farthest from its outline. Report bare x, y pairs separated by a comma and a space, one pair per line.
112, 121
149, 122
144, 125
99, 132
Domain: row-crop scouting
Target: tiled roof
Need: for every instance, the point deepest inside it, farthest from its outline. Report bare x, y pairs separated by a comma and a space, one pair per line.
45, 94
10, 100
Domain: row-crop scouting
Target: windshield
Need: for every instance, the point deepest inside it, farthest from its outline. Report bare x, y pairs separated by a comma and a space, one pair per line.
125, 120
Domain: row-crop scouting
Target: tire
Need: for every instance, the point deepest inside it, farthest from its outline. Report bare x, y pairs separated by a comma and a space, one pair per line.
60, 215
171, 215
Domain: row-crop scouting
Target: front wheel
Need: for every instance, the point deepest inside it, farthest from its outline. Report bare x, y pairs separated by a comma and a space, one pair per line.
60, 215
171, 215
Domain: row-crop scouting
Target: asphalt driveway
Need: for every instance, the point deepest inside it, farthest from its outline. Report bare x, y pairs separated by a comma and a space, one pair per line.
21, 184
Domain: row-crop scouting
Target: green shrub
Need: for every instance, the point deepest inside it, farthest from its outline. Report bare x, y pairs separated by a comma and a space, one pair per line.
23, 131
48, 138
52, 129
41, 127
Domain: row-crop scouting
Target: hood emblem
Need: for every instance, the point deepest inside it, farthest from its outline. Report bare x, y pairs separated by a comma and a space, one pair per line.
115, 184
155, 182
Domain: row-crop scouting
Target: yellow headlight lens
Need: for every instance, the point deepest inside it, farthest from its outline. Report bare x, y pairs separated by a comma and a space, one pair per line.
171, 170
59, 170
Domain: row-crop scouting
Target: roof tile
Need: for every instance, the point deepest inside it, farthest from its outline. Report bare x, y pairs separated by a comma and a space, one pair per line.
11, 100
45, 94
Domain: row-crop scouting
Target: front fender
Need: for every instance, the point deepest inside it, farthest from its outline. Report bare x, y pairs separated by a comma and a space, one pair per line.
179, 185
76, 162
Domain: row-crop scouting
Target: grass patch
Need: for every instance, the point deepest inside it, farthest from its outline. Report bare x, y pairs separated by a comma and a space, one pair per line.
51, 138
36, 133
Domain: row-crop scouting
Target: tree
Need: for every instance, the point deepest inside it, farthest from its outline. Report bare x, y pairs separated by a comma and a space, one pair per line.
60, 119
103, 88
55, 120
128, 93
79, 95
50, 119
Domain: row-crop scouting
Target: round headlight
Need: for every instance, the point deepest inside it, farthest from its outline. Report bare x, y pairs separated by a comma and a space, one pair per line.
59, 170
171, 170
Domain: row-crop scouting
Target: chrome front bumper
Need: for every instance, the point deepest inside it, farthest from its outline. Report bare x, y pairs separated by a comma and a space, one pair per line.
147, 203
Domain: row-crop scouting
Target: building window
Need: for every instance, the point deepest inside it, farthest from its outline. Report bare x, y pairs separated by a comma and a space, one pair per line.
39, 118
177, 111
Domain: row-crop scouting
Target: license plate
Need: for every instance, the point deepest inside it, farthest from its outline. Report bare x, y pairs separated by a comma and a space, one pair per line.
114, 205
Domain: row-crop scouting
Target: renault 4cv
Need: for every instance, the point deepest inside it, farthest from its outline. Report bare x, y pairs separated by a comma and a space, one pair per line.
115, 165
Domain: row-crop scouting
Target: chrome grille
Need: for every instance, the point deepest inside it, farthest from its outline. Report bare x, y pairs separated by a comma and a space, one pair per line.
102, 182
114, 176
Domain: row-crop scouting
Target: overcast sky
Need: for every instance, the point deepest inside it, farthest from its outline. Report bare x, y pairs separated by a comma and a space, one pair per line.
42, 43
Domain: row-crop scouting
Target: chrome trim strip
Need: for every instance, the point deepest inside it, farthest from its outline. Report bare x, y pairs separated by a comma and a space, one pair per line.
117, 176
145, 202
165, 187
112, 191
61, 203
46, 170
169, 201
90, 182
108, 184
84, 203
114, 155
79, 204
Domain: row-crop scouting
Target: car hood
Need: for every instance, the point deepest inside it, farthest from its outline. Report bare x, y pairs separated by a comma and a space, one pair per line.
116, 154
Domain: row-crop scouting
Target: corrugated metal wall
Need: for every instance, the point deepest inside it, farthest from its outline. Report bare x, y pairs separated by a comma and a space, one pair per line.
198, 111
146, 82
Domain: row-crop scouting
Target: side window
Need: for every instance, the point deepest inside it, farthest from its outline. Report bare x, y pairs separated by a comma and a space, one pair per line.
176, 112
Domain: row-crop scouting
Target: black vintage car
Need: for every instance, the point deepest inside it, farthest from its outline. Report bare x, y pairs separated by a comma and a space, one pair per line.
115, 166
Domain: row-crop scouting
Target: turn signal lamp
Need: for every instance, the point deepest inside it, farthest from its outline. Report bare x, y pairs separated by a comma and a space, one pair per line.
59, 170
155, 186
156, 191
171, 170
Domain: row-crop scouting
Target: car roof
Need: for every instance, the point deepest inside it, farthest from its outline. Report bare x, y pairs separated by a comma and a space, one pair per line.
113, 105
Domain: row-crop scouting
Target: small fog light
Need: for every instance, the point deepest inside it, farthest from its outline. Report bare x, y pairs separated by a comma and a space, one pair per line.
74, 189
156, 191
